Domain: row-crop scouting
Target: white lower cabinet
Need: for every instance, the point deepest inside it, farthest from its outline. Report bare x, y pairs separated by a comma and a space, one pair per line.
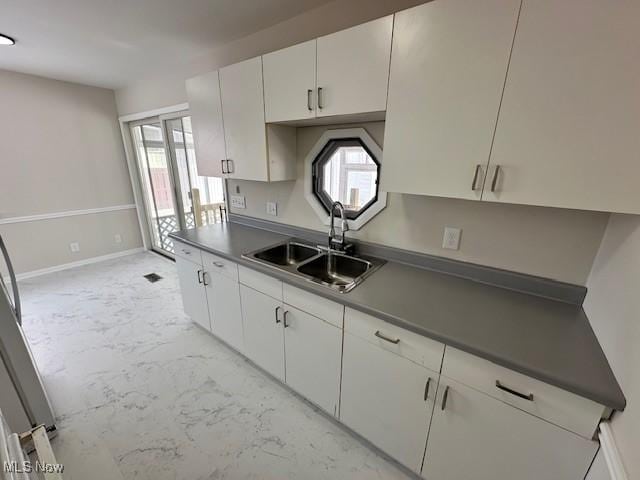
475, 436
263, 333
194, 296
387, 399
223, 296
312, 358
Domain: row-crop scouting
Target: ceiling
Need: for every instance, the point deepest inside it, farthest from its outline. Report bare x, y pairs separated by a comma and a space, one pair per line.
111, 43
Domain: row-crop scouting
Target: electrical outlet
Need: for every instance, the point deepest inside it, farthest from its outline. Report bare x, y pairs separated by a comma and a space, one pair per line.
75, 247
237, 201
272, 208
117, 238
451, 239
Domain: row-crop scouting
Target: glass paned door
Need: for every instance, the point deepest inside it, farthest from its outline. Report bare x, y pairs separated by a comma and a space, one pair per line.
200, 199
157, 183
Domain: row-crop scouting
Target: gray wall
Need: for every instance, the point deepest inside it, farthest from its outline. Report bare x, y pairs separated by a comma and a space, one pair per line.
613, 307
549, 242
61, 150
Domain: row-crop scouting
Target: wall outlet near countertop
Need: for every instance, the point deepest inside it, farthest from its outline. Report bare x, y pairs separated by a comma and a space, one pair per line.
238, 201
74, 247
272, 208
451, 239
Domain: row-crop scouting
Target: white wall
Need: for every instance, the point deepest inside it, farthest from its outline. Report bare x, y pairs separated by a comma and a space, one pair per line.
549, 242
167, 88
613, 307
61, 150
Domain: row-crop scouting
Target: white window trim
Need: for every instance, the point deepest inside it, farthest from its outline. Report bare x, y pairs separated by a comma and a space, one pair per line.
328, 135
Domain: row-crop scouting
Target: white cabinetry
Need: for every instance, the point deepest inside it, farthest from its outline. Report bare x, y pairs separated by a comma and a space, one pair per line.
476, 436
205, 108
194, 296
567, 135
353, 69
344, 73
250, 154
448, 68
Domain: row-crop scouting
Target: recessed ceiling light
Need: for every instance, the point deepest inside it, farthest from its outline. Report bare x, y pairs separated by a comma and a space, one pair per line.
5, 40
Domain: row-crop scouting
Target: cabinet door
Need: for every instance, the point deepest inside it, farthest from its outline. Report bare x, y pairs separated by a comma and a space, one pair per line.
194, 296
567, 135
478, 437
263, 335
290, 83
353, 69
447, 73
205, 108
312, 352
384, 398
243, 111
223, 295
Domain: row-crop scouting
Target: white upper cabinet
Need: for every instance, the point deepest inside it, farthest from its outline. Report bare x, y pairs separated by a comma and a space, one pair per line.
249, 155
353, 69
205, 108
290, 83
568, 132
448, 69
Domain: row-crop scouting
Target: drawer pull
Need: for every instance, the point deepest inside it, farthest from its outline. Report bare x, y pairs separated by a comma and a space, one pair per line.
426, 389
445, 395
513, 392
387, 339
277, 317
219, 264
186, 252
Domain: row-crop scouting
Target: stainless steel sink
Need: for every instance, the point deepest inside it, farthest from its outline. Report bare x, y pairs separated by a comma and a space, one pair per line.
333, 269
290, 253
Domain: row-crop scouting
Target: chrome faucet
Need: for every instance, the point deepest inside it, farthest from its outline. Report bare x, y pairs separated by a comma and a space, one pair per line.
335, 242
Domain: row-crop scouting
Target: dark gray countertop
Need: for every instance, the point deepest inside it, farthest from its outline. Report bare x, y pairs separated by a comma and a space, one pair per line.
548, 340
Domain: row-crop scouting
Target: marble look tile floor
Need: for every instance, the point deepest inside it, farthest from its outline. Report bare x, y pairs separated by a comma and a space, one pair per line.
140, 392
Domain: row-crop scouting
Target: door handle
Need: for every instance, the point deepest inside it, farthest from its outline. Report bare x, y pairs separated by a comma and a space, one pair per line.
445, 395
200, 276
276, 312
475, 178
232, 168
204, 278
320, 103
426, 389
222, 162
528, 396
494, 182
395, 341
309, 100
284, 318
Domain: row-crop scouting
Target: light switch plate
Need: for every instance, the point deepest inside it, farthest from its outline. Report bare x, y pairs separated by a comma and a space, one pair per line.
75, 247
451, 239
272, 208
237, 201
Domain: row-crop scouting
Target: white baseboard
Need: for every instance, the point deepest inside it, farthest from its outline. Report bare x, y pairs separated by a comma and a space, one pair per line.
611, 453
86, 261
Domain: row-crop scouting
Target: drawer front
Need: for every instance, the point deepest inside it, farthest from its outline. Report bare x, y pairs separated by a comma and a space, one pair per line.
414, 347
220, 265
562, 408
330, 312
260, 282
187, 252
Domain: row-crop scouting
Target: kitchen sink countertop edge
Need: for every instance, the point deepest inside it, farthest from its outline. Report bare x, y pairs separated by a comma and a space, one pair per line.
549, 340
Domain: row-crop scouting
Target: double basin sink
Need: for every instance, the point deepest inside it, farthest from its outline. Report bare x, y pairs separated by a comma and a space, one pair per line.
330, 268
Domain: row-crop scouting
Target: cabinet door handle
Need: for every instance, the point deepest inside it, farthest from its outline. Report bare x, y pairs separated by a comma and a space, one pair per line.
320, 103
284, 318
445, 395
204, 278
230, 169
309, 100
186, 252
219, 264
387, 339
222, 162
528, 397
494, 182
426, 389
200, 276
277, 317
475, 178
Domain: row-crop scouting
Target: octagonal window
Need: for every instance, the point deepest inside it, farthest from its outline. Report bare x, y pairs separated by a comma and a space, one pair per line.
346, 171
